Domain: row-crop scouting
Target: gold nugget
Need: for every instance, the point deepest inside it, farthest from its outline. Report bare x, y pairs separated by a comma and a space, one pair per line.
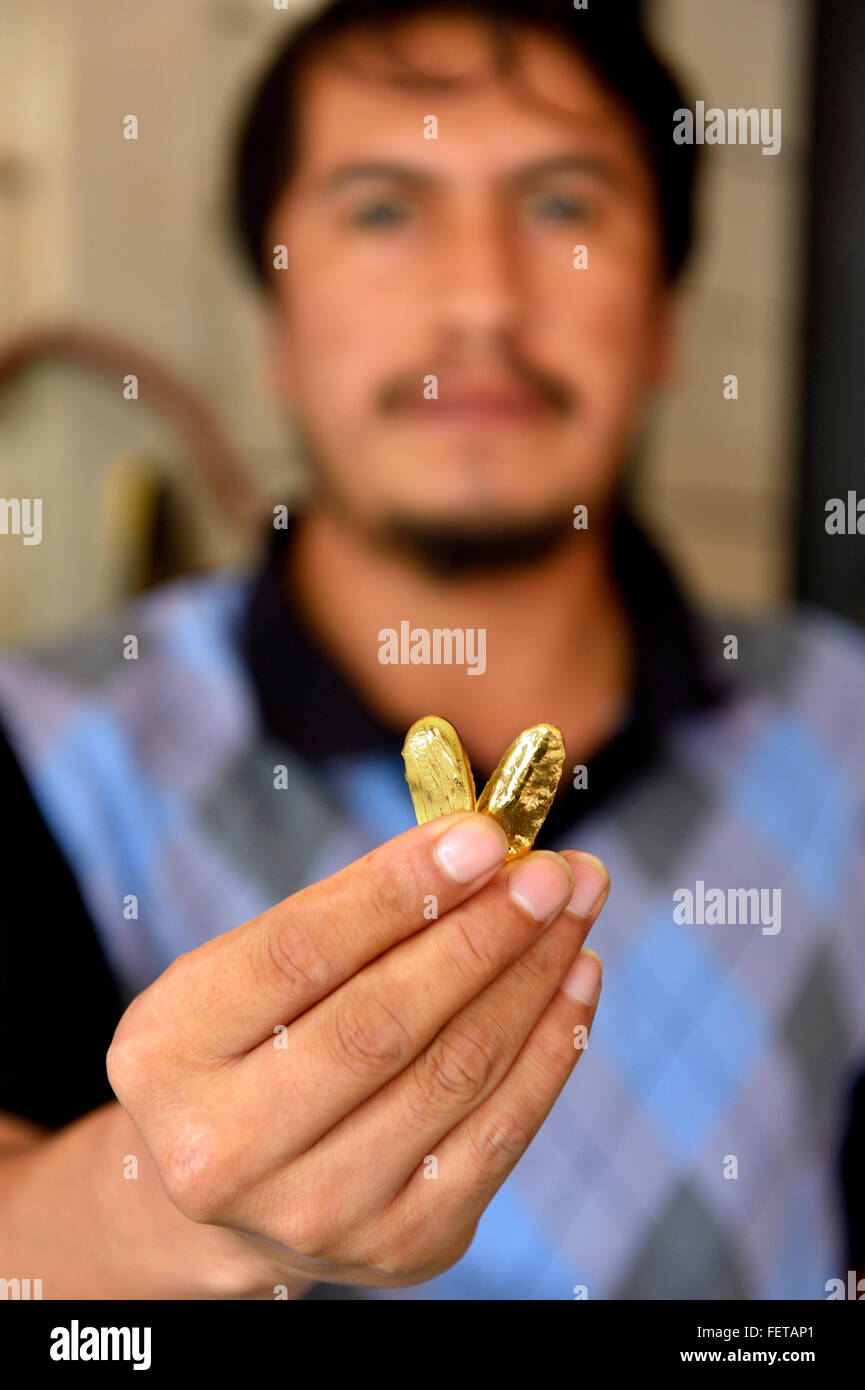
520, 792
437, 769
518, 795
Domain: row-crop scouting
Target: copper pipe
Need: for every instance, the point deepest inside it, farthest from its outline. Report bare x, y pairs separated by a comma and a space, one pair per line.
224, 474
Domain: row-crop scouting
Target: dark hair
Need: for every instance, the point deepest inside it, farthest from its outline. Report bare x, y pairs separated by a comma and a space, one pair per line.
613, 43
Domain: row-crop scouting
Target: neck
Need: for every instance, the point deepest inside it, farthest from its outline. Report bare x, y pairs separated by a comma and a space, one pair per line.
558, 641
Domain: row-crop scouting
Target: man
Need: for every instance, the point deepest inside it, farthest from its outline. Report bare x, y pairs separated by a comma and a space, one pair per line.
323, 1097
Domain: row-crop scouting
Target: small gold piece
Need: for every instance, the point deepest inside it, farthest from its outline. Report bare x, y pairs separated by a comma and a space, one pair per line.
437, 769
521, 790
518, 795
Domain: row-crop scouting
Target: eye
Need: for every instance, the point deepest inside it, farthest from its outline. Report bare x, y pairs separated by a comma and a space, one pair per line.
383, 213
559, 207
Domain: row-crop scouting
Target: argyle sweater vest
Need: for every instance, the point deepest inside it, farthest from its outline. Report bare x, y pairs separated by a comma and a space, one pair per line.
694, 1151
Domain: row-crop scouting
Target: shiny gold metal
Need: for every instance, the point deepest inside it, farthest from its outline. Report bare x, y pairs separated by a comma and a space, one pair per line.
521, 790
518, 795
437, 769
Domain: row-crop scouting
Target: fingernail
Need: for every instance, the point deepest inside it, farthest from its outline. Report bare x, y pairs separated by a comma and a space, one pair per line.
471, 849
590, 885
541, 885
583, 980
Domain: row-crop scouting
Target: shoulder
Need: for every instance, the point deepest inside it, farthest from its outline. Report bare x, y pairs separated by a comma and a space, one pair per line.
163, 666
794, 681
187, 614
799, 655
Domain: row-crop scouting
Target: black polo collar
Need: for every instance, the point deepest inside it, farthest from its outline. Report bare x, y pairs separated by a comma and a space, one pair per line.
306, 703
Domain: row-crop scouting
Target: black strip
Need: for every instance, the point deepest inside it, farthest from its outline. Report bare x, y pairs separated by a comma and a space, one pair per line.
59, 1004
853, 1177
831, 568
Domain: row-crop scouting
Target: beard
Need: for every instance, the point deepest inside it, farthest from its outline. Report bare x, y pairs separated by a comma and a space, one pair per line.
438, 546
449, 550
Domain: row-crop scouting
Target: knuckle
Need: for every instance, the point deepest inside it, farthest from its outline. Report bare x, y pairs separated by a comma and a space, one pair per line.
190, 1198
535, 970
306, 1228
471, 958
497, 1140
370, 1036
433, 1257
194, 1176
144, 1048
296, 956
125, 1061
553, 1051
389, 893
457, 1066
547, 957
397, 1264
120, 1063
389, 1250
417, 1249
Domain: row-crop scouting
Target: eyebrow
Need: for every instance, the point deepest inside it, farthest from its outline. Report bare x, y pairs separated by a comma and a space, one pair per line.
348, 175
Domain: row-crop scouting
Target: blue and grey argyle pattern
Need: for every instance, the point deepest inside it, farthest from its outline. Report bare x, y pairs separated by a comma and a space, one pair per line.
693, 1152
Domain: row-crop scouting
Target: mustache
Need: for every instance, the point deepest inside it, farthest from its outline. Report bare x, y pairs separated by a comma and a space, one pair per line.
405, 390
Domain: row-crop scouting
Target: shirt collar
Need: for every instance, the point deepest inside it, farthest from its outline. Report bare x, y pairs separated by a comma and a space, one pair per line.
305, 702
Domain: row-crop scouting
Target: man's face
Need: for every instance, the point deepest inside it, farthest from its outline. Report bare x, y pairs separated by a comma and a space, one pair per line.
410, 257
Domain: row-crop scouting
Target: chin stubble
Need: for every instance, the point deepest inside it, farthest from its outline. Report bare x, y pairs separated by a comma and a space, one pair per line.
447, 550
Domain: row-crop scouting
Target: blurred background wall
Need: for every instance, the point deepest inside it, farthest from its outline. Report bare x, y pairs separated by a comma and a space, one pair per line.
720, 476
128, 236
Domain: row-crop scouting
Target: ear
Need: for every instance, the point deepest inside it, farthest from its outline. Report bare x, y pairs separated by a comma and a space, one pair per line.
663, 365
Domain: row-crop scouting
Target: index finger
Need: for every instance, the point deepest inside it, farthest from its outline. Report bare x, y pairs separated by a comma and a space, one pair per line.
243, 984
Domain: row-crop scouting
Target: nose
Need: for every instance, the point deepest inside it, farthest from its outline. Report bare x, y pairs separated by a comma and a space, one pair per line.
477, 290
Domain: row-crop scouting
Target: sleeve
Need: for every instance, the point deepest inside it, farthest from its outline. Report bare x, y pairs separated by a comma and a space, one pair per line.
59, 1004
853, 1171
